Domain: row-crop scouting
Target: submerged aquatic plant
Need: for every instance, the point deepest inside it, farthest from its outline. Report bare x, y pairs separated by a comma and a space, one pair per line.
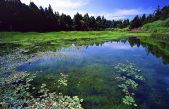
129, 100
128, 77
16, 77
18, 92
62, 80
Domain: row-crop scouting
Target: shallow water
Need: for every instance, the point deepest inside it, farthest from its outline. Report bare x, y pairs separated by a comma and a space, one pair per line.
91, 73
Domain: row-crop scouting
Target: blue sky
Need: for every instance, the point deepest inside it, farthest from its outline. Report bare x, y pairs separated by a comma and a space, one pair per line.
111, 9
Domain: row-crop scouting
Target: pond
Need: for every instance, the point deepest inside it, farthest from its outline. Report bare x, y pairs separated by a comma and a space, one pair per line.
91, 72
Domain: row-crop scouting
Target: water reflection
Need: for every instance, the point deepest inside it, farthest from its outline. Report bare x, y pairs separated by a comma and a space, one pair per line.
90, 66
158, 48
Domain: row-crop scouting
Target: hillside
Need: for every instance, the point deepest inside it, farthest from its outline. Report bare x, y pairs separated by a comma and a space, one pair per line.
160, 26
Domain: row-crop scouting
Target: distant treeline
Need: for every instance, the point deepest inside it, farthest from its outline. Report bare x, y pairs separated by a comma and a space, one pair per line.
159, 14
16, 16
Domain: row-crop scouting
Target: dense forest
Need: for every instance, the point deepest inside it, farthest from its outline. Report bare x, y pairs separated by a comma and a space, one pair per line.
16, 16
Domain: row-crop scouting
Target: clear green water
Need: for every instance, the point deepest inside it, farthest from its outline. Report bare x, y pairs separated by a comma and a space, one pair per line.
91, 73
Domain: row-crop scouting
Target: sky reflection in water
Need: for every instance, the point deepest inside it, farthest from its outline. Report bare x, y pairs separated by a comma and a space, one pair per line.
154, 93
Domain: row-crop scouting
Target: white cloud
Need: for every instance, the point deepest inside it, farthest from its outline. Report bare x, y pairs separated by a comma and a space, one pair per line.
68, 4
124, 13
120, 46
70, 11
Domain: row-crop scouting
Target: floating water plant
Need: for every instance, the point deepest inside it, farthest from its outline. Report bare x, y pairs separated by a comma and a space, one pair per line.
129, 100
19, 92
16, 77
128, 77
62, 80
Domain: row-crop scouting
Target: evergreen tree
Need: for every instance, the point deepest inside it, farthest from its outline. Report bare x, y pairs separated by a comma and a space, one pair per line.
157, 13
98, 23
92, 23
16, 16
77, 21
136, 22
143, 19
86, 20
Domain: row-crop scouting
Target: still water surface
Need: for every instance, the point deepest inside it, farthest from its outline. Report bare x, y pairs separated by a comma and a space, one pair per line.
90, 70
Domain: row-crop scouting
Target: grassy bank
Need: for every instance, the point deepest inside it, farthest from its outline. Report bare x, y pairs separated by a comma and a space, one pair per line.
160, 26
32, 42
33, 38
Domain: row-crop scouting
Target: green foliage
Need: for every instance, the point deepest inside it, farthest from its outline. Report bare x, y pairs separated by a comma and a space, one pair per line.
14, 77
23, 94
61, 38
118, 29
129, 101
62, 80
136, 22
158, 15
128, 75
160, 26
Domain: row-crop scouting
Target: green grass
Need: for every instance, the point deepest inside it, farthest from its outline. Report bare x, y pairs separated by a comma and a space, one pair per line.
160, 26
34, 38
118, 29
